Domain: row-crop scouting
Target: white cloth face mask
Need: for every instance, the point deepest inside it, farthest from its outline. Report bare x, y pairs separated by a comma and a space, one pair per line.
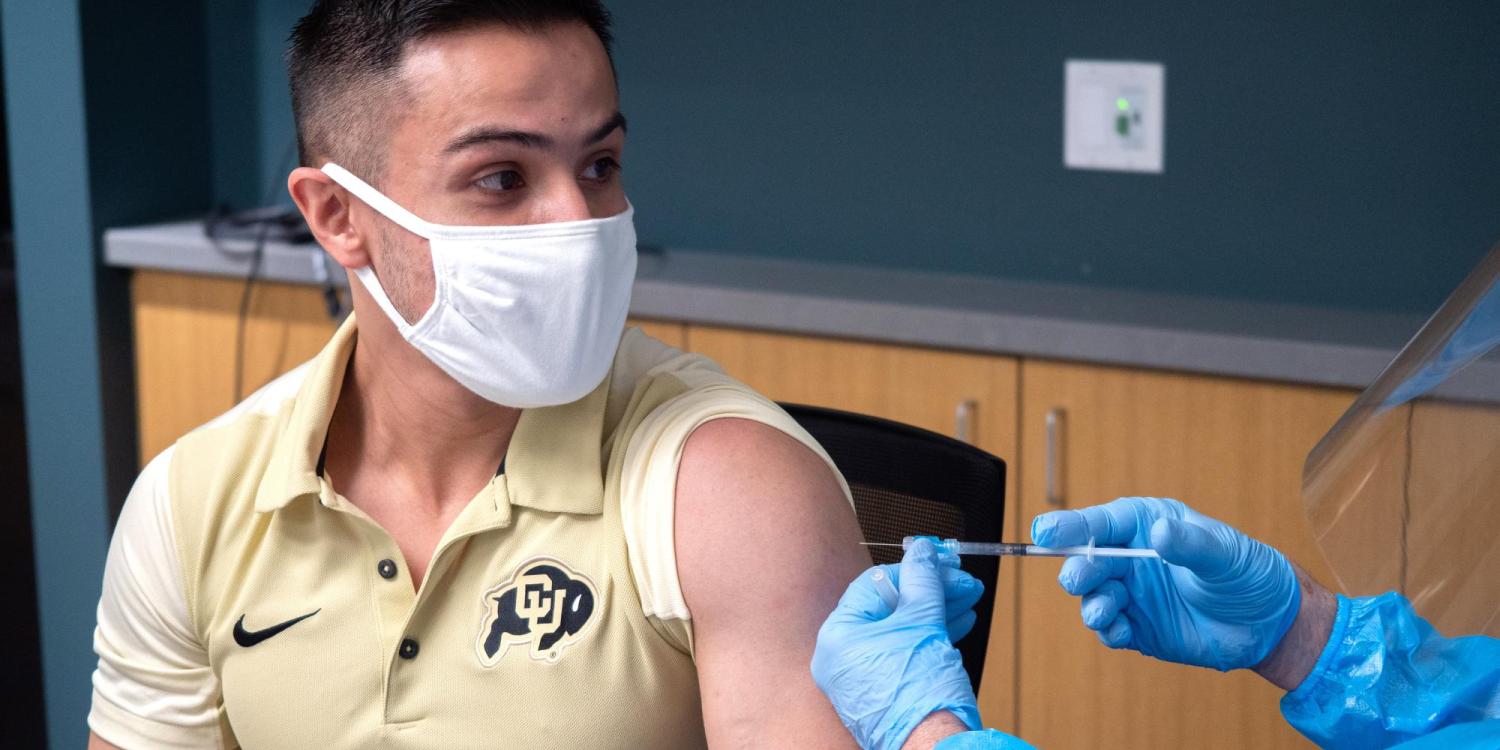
524, 316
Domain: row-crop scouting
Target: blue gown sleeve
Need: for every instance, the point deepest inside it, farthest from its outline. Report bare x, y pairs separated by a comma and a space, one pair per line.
1387, 677
985, 739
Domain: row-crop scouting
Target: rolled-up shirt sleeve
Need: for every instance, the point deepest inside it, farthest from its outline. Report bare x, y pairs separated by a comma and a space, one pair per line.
153, 686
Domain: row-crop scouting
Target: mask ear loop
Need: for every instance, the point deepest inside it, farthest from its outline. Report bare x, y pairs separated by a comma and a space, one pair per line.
403, 218
378, 201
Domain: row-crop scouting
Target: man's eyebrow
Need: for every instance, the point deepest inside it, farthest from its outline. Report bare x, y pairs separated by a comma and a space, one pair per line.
603, 131
490, 134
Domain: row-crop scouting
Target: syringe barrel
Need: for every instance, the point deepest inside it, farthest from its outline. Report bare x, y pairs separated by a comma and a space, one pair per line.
990, 548
943, 545
969, 548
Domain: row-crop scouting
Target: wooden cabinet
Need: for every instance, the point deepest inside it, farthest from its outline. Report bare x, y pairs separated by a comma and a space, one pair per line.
1408, 505
1234, 450
922, 387
665, 331
1452, 453
185, 340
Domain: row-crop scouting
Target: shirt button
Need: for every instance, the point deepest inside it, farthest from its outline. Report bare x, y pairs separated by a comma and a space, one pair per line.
409, 648
386, 568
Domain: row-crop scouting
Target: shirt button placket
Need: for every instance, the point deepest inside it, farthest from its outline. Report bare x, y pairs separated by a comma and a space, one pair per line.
395, 600
394, 595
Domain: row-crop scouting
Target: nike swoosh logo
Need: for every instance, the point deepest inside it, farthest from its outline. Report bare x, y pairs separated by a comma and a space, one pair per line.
248, 638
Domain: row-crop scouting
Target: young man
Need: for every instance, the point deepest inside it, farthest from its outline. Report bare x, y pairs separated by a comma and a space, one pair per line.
481, 517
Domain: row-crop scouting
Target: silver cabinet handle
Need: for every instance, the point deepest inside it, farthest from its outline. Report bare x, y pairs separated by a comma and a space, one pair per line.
1057, 420
963, 420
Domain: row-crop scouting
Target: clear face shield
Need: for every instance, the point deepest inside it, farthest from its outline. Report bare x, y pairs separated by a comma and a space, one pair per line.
1404, 492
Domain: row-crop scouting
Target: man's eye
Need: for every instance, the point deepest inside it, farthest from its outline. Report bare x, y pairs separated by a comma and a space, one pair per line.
506, 179
601, 170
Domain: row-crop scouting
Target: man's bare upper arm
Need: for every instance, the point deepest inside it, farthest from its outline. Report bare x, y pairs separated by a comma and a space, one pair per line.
766, 542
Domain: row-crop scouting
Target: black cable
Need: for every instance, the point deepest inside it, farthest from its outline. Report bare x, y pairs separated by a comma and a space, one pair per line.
244, 313
264, 225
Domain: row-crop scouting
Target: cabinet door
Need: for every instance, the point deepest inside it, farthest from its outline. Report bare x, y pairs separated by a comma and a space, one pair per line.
668, 332
1232, 449
922, 387
185, 338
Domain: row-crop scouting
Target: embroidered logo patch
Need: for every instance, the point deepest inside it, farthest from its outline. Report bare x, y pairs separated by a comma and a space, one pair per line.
545, 605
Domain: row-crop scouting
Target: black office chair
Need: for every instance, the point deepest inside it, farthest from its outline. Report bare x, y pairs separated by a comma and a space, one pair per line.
909, 481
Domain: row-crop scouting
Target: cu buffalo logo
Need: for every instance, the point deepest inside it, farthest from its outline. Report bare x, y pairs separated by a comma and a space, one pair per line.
545, 605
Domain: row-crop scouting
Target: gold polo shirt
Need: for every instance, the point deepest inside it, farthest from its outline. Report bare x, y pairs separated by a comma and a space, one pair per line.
247, 603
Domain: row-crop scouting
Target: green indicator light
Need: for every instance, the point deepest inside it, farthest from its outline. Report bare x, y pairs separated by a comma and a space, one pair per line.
1122, 104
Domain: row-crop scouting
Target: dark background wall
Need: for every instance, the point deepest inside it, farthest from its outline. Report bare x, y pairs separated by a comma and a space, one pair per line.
106, 114
22, 711
1332, 153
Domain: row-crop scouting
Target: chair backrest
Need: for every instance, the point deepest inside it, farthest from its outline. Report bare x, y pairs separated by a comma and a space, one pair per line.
910, 481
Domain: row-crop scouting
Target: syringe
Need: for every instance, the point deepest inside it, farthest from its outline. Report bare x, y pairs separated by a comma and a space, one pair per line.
887, 589
1016, 549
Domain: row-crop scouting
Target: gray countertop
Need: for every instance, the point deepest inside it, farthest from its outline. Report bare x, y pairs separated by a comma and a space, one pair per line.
1028, 319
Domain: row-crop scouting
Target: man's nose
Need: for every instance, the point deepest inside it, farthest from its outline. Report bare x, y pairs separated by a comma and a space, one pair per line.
564, 202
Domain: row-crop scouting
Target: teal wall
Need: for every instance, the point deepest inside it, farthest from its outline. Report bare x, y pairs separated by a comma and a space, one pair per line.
1338, 153
106, 112
58, 304
1319, 152
250, 110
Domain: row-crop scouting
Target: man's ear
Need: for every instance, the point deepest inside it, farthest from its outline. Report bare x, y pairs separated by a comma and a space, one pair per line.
326, 207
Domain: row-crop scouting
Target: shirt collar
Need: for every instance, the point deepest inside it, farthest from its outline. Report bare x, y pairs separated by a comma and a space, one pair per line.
293, 471
556, 457
555, 461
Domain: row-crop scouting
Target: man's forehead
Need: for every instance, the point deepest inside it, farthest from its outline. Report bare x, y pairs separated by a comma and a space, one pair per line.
555, 79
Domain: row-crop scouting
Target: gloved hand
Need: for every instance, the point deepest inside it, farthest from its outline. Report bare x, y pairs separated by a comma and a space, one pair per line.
961, 592
885, 671
1224, 601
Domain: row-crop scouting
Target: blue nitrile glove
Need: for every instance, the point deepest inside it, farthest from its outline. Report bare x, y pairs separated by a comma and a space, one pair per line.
1225, 601
885, 671
961, 592
988, 739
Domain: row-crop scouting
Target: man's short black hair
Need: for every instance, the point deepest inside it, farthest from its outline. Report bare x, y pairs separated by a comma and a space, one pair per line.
344, 57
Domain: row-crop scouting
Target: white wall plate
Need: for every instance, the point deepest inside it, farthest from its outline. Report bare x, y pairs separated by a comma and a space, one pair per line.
1114, 115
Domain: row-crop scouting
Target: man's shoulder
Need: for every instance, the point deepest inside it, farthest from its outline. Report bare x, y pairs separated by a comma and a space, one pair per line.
683, 398
642, 358
221, 462
268, 401
659, 391
284, 420
236, 435
648, 373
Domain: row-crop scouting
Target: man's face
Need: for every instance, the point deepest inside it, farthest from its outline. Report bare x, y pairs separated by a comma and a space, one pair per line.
498, 127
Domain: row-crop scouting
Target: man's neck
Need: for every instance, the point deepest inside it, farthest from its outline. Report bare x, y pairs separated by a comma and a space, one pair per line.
402, 423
